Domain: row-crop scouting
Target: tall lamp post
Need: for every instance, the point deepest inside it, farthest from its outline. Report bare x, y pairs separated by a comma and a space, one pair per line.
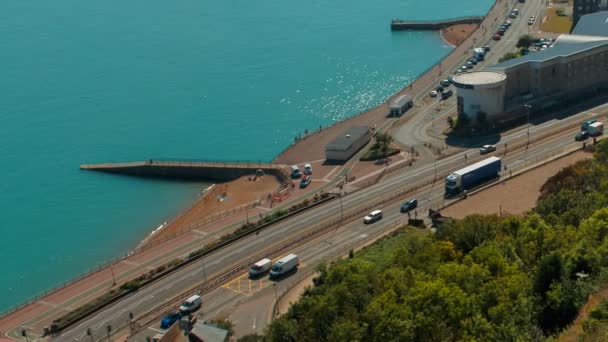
528, 108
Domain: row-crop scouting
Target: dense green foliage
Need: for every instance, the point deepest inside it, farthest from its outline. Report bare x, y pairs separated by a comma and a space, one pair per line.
381, 148
507, 56
483, 278
596, 325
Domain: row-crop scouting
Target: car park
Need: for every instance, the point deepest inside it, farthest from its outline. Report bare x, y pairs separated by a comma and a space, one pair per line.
169, 319
409, 205
433, 93
374, 216
487, 149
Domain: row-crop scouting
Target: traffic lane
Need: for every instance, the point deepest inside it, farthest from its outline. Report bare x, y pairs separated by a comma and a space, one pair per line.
187, 277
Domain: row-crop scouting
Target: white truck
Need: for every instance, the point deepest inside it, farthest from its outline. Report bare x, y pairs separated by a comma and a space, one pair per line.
595, 129
284, 266
260, 268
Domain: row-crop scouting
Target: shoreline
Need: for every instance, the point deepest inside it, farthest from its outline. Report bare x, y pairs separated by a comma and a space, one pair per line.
373, 115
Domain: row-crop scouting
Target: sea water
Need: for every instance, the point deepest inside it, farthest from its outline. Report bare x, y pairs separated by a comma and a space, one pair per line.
108, 81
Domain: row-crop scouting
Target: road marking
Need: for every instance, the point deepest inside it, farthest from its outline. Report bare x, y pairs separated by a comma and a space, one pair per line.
253, 326
200, 232
157, 330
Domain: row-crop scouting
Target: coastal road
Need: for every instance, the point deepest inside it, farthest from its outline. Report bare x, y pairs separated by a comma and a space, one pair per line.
255, 300
414, 133
254, 247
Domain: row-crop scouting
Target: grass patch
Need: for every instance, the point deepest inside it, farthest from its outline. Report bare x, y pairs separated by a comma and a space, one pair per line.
556, 23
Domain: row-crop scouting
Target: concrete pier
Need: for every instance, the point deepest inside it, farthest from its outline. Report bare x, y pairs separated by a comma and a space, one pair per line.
190, 170
399, 25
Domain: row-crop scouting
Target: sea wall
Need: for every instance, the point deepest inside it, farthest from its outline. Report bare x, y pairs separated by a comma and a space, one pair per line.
399, 25
190, 170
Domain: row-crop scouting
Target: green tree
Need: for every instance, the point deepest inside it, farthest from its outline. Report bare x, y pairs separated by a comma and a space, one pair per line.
525, 41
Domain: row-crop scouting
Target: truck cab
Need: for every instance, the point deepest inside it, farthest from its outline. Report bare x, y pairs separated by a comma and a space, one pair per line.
452, 184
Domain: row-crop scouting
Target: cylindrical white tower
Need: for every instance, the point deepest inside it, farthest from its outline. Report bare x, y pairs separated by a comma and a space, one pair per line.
480, 92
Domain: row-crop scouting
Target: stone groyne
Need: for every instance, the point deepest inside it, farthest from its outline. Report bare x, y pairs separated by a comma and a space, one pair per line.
399, 25
190, 170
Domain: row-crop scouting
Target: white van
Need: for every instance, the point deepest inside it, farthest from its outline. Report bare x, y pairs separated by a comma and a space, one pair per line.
373, 217
259, 268
191, 304
307, 169
285, 265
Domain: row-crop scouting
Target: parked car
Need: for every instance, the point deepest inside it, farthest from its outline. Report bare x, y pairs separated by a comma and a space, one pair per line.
191, 304
169, 319
512, 15
445, 83
374, 216
487, 48
305, 181
450, 79
580, 136
487, 149
446, 94
500, 33
473, 61
295, 172
307, 169
409, 205
439, 89
508, 23
496, 37
433, 93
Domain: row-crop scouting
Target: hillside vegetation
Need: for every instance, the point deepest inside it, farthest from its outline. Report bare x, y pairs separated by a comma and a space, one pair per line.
483, 278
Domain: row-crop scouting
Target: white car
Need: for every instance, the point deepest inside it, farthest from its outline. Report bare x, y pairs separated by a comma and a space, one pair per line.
433, 93
373, 217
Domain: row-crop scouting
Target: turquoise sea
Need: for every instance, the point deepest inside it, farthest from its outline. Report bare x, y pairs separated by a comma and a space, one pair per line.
96, 81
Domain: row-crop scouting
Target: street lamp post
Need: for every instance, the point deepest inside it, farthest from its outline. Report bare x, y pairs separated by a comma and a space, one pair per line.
113, 277
203, 269
341, 205
131, 322
108, 330
528, 107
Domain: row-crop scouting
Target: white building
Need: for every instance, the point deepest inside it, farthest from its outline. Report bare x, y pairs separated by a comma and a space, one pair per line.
480, 93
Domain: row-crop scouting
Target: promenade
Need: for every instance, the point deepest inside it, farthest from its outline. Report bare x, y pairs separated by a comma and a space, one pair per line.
38, 314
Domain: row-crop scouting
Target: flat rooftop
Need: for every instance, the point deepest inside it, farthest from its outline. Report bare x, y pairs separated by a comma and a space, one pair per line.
480, 77
347, 138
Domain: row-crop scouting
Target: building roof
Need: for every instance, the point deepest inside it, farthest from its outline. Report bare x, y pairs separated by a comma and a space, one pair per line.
595, 24
347, 138
590, 32
401, 101
209, 333
480, 77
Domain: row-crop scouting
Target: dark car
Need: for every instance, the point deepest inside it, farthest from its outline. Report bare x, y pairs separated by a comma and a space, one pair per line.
169, 319
580, 136
487, 48
496, 37
409, 205
305, 181
500, 33
439, 89
446, 94
473, 60
487, 149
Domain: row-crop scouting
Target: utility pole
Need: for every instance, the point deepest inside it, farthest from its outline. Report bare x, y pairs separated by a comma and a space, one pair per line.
113, 278
528, 107
24, 334
131, 322
90, 334
108, 330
